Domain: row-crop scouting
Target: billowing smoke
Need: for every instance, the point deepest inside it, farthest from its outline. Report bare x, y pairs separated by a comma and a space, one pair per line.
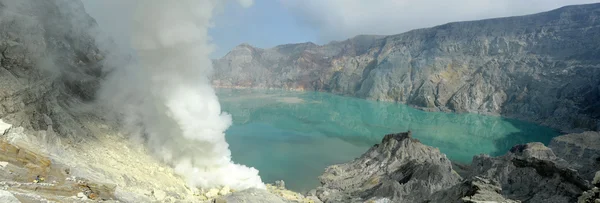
166, 97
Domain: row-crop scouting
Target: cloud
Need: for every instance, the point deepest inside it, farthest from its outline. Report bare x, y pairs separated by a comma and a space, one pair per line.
246, 3
341, 19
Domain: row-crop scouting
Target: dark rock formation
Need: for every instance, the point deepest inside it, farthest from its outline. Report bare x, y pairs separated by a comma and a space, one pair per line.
476, 189
581, 151
596, 180
531, 173
400, 169
542, 68
48, 64
593, 195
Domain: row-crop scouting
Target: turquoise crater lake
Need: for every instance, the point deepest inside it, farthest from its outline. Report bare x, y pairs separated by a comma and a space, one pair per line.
293, 136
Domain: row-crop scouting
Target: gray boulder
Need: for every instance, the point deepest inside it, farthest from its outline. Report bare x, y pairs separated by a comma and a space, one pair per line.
400, 169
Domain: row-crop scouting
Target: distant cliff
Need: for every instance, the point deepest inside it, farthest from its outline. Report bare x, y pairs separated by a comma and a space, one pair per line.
543, 68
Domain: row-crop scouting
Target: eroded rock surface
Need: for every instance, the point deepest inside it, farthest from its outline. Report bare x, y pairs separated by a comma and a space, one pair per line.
400, 169
593, 195
476, 189
580, 150
542, 68
48, 64
32, 176
251, 195
7, 197
531, 173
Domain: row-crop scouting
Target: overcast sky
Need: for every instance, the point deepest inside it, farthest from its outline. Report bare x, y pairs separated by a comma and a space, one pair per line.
266, 23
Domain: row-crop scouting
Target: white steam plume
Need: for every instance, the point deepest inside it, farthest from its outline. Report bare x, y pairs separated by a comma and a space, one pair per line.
169, 97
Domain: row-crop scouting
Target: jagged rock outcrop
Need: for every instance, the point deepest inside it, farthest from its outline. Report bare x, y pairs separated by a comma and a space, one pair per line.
400, 169
580, 150
476, 189
531, 173
596, 180
251, 195
593, 195
542, 68
49, 64
272, 194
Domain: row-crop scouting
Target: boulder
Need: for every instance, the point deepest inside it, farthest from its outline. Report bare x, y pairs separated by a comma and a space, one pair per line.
401, 169
280, 184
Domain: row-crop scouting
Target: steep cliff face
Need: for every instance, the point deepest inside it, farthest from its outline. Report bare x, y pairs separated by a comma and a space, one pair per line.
543, 68
49, 64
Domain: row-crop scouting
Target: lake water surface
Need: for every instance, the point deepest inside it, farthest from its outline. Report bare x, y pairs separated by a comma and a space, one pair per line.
293, 136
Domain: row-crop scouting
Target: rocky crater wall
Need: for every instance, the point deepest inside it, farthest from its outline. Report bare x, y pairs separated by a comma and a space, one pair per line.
49, 64
543, 68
